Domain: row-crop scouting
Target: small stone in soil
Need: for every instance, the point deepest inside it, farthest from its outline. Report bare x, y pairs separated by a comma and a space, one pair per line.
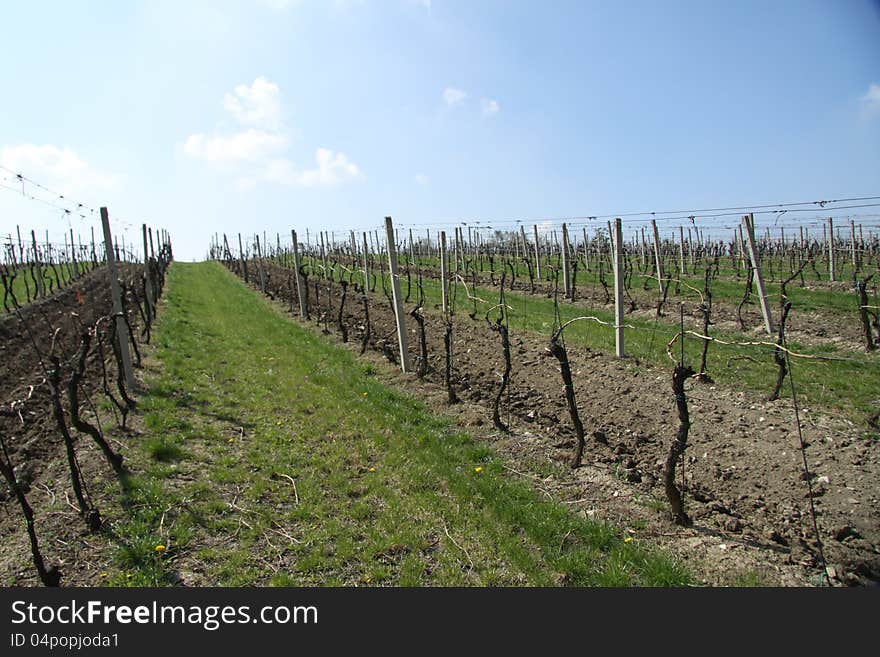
700, 496
733, 525
818, 491
845, 532
718, 507
633, 476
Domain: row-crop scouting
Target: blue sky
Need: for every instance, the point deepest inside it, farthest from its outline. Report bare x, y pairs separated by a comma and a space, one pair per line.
269, 115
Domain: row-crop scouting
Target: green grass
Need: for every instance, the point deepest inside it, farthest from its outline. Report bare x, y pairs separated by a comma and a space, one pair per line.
163, 451
55, 278
846, 386
817, 296
273, 457
748, 579
849, 386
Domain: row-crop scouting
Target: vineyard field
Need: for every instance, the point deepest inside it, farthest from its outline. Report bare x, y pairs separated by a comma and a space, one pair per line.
267, 435
271, 456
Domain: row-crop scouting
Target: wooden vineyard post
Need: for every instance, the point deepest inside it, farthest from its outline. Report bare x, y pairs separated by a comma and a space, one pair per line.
681, 249
116, 295
831, 249
151, 300
366, 265
444, 284
586, 248
691, 248
610, 240
395, 289
300, 285
657, 259
260, 265
734, 257
748, 223
824, 243
616, 244
537, 254
73, 255
21, 246
852, 243
465, 251
241, 259
566, 276
94, 252
323, 256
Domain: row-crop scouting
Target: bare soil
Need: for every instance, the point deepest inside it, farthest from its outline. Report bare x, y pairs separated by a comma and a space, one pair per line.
32, 437
745, 485
816, 328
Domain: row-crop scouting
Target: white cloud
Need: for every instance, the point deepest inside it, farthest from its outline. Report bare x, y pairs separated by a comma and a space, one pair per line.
490, 107
257, 152
871, 100
422, 179
247, 146
332, 169
59, 169
453, 96
257, 105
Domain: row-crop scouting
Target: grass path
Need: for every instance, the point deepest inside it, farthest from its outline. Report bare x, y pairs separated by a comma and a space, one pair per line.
270, 456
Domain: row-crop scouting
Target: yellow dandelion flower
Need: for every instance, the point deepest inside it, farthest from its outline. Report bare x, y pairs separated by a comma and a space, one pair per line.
628, 539
479, 468
104, 575
160, 548
372, 469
